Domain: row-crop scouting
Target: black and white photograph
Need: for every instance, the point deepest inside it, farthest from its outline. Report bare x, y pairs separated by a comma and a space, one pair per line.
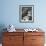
26, 13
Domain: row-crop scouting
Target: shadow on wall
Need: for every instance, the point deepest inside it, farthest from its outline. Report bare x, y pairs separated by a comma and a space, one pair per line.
2, 26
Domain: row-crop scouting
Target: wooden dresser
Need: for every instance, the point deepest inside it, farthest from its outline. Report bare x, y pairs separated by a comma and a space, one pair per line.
23, 39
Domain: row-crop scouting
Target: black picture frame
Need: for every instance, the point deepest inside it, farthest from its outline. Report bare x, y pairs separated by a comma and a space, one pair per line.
26, 13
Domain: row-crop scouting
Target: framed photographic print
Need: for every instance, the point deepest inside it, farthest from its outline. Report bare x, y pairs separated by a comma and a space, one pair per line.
26, 13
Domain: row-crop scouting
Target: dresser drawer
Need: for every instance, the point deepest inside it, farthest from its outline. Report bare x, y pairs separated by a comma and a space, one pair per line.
37, 39
34, 33
13, 44
12, 39
37, 44
13, 33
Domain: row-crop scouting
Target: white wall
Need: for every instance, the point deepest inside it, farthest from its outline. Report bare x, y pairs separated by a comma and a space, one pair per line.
10, 13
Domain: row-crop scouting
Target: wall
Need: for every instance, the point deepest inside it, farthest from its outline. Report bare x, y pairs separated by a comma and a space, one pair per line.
10, 13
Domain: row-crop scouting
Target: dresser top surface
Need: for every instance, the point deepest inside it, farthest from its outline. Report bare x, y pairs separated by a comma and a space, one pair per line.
22, 30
